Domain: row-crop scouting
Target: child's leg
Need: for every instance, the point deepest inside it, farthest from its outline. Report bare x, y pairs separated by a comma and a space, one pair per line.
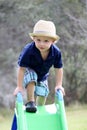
30, 91
30, 80
41, 91
40, 100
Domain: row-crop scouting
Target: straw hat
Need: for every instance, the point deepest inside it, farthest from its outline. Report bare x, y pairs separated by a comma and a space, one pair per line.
45, 28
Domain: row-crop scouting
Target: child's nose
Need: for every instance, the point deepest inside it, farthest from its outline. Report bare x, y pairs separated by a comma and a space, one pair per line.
42, 42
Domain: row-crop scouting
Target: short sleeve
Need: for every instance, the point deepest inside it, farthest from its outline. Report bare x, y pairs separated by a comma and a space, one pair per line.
58, 60
23, 59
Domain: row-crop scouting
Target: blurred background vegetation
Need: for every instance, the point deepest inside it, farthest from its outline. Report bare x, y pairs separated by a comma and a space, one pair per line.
17, 18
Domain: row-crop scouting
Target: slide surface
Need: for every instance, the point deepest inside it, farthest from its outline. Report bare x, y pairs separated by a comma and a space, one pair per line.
47, 117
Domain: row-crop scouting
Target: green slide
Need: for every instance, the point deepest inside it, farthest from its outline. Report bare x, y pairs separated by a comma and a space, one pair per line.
47, 117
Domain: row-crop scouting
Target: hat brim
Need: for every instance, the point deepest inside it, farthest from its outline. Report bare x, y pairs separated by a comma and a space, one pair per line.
56, 37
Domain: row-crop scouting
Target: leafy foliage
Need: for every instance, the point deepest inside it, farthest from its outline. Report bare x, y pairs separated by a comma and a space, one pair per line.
75, 72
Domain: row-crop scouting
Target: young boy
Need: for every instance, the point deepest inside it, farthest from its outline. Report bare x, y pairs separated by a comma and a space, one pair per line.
35, 61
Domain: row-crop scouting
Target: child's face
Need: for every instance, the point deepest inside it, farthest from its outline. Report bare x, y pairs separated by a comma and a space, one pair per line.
43, 43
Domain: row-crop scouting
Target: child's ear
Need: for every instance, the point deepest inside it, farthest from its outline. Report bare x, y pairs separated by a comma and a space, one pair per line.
33, 38
53, 41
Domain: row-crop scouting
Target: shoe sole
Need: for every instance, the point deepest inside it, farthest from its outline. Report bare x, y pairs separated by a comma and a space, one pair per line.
31, 110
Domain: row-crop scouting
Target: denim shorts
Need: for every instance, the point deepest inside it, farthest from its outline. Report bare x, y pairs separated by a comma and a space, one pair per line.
41, 87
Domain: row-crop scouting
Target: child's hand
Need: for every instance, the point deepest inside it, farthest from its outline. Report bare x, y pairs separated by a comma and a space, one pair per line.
61, 88
18, 89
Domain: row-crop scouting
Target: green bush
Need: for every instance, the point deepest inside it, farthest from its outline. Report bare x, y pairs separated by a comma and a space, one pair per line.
75, 72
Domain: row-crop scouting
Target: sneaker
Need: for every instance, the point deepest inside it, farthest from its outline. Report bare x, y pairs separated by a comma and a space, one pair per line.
31, 107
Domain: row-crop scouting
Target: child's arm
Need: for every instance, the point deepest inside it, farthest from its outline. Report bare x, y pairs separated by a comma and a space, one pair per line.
59, 78
20, 77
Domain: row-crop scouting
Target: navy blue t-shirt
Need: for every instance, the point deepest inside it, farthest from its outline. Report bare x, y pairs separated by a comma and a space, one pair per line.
30, 57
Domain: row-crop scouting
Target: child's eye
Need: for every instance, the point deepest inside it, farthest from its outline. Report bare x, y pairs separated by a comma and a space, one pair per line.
38, 40
46, 41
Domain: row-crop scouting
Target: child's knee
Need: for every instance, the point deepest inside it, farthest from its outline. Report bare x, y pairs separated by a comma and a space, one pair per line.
41, 89
30, 77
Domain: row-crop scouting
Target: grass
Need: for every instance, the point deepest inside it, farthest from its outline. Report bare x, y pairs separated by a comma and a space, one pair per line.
5, 119
76, 118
